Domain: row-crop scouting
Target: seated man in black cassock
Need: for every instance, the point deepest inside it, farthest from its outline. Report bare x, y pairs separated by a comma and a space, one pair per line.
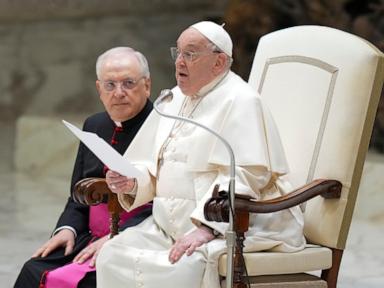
67, 259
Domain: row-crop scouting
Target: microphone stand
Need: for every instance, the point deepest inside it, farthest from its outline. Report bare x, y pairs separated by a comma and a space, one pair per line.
167, 96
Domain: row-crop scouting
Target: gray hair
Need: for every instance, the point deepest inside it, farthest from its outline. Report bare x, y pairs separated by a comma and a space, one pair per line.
123, 51
215, 48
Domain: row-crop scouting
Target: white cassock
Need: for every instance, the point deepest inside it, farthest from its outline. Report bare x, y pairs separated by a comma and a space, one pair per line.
181, 163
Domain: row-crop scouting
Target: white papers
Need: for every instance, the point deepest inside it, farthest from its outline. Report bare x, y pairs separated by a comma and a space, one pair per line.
109, 156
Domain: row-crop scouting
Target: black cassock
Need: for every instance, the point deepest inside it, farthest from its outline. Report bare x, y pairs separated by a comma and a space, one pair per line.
77, 215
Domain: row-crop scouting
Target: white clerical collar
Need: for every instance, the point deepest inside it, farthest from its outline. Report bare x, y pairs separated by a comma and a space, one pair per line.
211, 85
118, 124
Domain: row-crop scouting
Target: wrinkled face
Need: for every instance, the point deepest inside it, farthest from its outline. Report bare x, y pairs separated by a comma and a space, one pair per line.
122, 87
193, 74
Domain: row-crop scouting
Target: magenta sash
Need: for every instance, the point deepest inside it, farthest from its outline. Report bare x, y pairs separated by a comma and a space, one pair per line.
69, 276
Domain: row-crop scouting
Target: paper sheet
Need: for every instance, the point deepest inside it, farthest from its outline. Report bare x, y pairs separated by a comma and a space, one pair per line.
109, 156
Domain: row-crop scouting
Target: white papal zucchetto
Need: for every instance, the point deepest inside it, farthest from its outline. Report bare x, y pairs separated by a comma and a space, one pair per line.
216, 34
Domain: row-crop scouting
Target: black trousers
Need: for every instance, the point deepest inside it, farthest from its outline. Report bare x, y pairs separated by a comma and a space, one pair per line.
33, 270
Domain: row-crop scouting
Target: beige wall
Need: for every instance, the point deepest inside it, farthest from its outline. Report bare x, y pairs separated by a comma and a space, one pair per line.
48, 48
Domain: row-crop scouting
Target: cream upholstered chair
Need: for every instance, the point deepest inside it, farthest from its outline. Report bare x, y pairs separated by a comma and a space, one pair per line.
322, 86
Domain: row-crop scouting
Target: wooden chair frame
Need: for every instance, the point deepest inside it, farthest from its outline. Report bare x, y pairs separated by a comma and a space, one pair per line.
217, 209
93, 191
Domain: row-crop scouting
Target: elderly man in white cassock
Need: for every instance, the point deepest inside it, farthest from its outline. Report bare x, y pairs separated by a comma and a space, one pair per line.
181, 163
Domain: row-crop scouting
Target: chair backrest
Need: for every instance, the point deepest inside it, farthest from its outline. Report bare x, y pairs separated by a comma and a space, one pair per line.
322, 87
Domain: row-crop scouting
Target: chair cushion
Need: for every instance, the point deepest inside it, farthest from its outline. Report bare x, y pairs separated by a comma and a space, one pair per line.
272, 263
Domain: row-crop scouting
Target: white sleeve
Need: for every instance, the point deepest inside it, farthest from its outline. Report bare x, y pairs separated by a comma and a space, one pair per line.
142, 193
64, 227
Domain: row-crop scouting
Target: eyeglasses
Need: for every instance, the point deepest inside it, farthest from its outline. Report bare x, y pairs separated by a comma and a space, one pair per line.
126, 84
189, 56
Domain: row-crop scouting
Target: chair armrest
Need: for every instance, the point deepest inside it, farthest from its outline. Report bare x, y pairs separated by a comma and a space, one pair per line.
91, 191
217, 208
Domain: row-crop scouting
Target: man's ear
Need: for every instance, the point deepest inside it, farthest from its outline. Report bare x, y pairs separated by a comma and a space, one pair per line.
98, 88
221, 63
148, 84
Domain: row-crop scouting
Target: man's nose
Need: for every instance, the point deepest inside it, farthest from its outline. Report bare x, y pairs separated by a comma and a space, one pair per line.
119, 91
180, 60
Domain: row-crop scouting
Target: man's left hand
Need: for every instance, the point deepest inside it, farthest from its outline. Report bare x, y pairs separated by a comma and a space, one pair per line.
92, 250
188, 243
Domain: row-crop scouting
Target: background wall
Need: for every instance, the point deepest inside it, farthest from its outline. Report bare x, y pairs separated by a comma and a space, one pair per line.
48, 50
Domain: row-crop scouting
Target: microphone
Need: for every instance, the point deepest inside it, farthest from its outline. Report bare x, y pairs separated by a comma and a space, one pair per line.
166, 96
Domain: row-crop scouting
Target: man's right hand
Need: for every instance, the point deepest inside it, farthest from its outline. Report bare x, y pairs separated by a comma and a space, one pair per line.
118, 183
64, 238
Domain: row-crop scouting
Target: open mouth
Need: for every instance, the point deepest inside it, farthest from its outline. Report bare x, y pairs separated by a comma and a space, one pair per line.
181, 74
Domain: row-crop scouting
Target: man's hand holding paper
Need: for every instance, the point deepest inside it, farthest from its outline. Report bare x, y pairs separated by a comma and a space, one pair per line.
118, 183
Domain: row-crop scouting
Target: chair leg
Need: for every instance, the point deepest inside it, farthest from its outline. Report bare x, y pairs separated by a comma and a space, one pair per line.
114, 211
114, 224
241, 226
239, 269
330, 275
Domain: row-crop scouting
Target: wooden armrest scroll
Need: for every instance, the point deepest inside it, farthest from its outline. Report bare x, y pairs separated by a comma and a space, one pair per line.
93, 191
217, 208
